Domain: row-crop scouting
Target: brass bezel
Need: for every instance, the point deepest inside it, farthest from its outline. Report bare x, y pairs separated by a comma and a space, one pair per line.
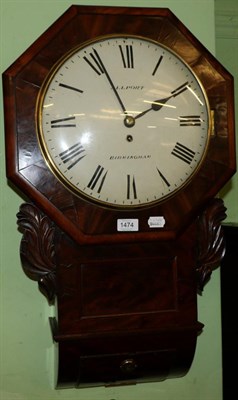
48, 159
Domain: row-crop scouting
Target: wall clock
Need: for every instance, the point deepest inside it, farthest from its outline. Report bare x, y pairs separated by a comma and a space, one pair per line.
120, 131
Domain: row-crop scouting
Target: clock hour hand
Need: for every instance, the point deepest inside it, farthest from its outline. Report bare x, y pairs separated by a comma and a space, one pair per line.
155, 105
110, 81
158, 104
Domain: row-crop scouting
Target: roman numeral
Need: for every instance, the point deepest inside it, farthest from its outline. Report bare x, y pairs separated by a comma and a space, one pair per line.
60, 123
72, 155
183, 153
98, 179
127, 56
163, 178
94, 62
131, 188
157, 65
70, 87
180, 89
190, 120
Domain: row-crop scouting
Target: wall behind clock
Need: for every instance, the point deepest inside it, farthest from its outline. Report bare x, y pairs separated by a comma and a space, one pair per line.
226, 51
27, 352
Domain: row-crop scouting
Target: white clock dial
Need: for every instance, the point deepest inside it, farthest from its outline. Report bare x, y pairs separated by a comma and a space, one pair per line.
123, 121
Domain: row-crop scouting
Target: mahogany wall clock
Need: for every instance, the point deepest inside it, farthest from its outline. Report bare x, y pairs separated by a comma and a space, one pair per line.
120, 131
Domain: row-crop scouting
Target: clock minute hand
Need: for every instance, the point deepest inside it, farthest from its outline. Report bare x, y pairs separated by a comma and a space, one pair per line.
110, 81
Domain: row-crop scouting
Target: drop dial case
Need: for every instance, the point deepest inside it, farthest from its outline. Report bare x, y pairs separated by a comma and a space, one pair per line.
119, 118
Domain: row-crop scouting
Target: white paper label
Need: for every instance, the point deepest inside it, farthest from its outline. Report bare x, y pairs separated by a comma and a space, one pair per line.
156, 222
127, 225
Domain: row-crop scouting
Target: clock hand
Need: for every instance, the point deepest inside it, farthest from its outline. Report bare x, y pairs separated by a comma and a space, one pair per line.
110, 81
158, 104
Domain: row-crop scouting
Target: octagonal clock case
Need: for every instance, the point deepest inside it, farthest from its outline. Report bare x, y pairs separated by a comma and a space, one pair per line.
120, 131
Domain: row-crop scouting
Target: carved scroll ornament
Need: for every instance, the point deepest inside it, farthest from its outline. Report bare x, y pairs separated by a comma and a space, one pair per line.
37, 248
211, 240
